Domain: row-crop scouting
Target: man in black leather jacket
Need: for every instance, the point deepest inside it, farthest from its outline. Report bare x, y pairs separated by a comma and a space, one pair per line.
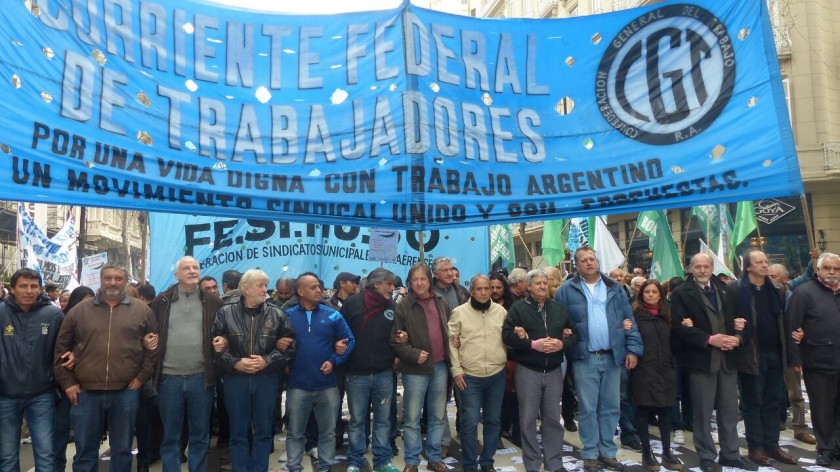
251, 364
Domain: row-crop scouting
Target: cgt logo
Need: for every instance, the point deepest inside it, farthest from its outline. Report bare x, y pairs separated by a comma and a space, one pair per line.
667, 75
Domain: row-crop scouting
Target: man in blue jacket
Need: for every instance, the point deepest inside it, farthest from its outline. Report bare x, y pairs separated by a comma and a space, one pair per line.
312, 384
27, 386
598, 306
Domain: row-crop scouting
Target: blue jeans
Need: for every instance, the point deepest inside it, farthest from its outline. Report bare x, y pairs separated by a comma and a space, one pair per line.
431, 390
120, 408
299, 404
177, 393
364, 390
598, 386
482, 394
250, 401
40, 415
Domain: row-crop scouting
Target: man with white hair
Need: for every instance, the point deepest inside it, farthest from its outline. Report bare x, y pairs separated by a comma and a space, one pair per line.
635, 285
708, 349
251, 363
815, 319
185, 373
444, 283
517, 284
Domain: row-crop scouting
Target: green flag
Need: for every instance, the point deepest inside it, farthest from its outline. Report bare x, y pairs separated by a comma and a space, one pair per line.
716, 223
501, 245
666, 260
745, 223
647, 224
709, 222
555, 234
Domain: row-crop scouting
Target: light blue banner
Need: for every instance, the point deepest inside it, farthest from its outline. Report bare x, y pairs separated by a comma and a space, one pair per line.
288, 249
407, 118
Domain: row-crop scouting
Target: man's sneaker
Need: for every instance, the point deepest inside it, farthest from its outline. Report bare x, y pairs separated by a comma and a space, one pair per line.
633, 445
590, 465
383, 468
282, 457
26, 440
679, 437
353, 468
313, 453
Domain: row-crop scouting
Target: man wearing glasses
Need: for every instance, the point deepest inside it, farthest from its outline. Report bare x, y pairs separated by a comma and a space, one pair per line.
815, 321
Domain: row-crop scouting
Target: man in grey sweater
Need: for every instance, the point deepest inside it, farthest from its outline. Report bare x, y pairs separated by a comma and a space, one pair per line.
186, 379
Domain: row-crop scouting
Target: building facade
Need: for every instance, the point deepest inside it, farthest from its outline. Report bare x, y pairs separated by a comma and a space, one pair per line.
123, 234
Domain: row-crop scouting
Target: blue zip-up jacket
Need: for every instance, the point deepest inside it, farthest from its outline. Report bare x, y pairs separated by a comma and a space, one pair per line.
316, 344
26, 347
571, 295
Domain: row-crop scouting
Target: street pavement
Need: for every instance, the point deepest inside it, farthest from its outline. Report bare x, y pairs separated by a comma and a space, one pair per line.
508, 456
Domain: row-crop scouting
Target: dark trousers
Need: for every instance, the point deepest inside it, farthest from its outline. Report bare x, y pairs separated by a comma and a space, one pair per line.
510, 416
642, 427
684, 399
61, 435
761, 396
222, 419
569, 405
823, 387
149, 427
628, 411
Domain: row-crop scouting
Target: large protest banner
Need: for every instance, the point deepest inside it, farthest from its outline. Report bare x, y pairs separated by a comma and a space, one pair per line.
287, 249
406, 118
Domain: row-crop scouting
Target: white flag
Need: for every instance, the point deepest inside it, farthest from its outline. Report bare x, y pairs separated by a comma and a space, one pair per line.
720, 267
607, 250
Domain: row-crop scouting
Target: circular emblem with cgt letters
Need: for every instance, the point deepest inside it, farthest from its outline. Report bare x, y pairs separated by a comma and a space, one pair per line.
667, 75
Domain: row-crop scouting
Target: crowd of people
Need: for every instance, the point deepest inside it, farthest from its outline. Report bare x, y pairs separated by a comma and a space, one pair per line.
522, 353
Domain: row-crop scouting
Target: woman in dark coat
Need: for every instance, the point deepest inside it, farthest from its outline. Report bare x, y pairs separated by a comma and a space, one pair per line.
652, 382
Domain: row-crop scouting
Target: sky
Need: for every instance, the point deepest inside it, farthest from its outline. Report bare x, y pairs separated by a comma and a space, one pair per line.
313, 6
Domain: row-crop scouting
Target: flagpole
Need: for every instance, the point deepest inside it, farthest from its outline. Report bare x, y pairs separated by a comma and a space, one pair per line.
627, 251
685, 236
809, 228
758, 230
525, 245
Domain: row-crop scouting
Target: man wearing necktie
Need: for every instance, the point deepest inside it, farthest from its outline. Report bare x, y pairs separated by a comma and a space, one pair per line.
708, 347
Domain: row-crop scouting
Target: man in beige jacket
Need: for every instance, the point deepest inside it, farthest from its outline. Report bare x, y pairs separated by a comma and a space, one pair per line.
478, 359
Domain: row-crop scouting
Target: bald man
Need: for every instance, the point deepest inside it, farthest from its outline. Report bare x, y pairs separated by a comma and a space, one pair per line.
185, 376
708, 348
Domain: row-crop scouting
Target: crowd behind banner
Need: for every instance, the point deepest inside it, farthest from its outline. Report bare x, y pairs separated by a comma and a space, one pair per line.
581, 353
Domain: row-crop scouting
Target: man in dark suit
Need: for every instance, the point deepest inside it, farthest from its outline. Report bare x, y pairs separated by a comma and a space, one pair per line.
707, 345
